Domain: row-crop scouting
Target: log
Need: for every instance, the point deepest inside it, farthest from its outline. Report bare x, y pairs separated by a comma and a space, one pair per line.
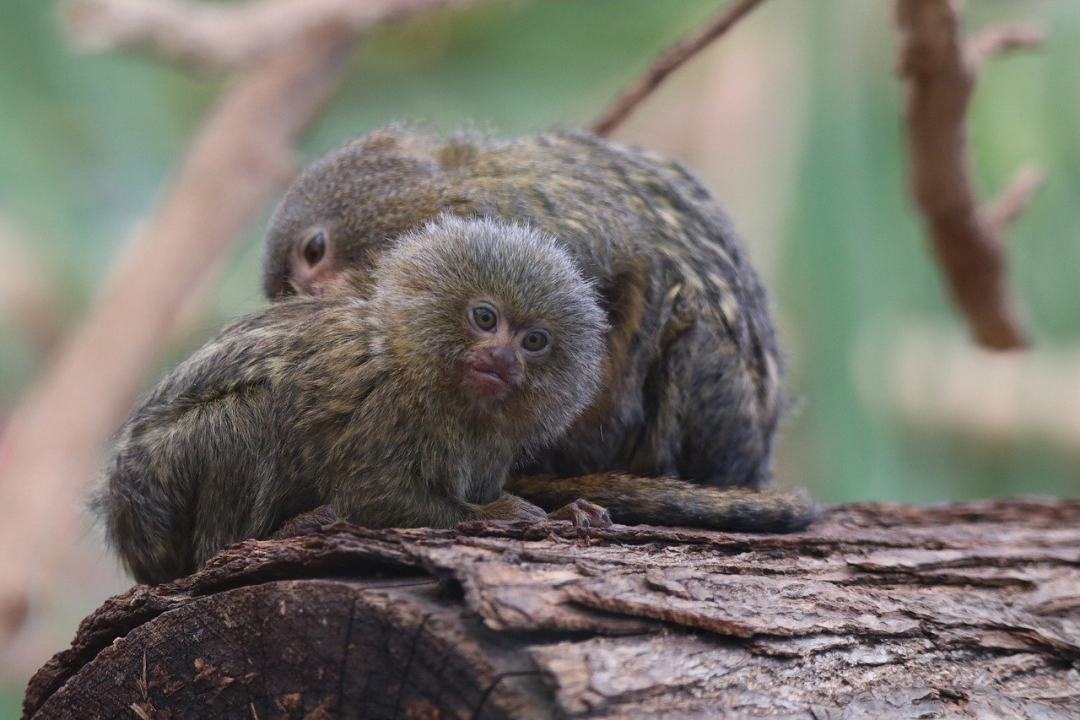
959, 610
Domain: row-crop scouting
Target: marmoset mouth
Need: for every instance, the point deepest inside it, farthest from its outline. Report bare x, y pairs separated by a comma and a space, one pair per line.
489, 382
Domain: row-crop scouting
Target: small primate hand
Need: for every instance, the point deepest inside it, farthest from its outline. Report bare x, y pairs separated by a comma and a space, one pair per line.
583, 514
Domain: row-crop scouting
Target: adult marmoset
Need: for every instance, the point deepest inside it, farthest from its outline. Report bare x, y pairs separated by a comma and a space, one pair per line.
478, 343
692, 373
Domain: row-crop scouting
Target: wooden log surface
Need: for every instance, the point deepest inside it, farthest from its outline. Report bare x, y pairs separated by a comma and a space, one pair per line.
960, 610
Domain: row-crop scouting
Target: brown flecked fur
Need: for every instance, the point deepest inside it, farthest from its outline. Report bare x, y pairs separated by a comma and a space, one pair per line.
361, 404
692, 373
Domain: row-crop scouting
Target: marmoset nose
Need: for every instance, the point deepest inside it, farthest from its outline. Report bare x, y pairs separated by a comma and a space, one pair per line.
504, 360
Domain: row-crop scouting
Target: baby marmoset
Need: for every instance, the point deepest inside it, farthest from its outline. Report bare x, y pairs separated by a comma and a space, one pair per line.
479, 342
692, 371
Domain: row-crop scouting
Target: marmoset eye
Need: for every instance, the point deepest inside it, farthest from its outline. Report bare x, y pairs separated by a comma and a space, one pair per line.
485, 318
536, 341
315, 248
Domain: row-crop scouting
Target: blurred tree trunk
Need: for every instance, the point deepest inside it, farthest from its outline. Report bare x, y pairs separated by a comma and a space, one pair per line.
966, 610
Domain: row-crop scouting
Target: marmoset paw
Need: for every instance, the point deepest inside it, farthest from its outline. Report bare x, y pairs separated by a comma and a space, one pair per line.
583, 514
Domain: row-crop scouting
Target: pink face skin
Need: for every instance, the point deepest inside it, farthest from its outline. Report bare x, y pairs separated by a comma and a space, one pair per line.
495, 365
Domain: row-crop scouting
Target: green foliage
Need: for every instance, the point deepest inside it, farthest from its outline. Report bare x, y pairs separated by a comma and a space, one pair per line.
11, 702
89, 142
855, 262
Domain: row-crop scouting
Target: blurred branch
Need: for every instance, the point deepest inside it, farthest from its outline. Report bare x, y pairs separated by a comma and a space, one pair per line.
994, 41
28, 292
1012, 201
941, 71
669, 61
936, 381
209, 36
242, 155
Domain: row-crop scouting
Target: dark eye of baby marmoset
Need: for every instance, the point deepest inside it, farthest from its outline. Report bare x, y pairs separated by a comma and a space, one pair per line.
535, 341
315, 248
484, 317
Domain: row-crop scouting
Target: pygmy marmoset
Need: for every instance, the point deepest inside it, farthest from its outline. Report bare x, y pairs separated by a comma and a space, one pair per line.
479, 342
692, 374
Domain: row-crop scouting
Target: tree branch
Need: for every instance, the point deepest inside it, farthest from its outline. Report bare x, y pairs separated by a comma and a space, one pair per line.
241, 157
954, 610
940, 71
29, 291
934, 380
669, 61
208, 36
994, 41
1017, 195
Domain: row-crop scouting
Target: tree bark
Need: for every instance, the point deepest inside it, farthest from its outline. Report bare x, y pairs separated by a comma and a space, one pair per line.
962, 610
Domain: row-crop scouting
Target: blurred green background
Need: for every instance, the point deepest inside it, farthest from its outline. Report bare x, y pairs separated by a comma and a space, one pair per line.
795, 121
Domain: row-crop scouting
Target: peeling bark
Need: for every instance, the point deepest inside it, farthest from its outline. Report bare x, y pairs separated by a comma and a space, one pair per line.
966, 610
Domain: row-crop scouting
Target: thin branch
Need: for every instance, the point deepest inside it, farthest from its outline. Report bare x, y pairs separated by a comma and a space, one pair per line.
207, 36
999, 40
29, 292
1014, 199
969, 243
936, 381
671, 60
292, 53
241, 157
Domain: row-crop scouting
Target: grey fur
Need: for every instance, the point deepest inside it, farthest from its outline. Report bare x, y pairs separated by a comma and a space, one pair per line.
356, 403
693, 372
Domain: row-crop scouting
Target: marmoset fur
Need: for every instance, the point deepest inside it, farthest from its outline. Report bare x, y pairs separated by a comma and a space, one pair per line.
479, 343
692, 373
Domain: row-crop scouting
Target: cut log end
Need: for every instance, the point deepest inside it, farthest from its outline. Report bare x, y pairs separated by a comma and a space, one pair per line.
959, 610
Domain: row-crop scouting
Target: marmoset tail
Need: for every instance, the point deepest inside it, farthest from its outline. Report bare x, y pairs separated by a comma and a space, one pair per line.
692, 373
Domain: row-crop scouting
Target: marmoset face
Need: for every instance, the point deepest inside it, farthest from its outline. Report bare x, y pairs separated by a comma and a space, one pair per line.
502, 350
